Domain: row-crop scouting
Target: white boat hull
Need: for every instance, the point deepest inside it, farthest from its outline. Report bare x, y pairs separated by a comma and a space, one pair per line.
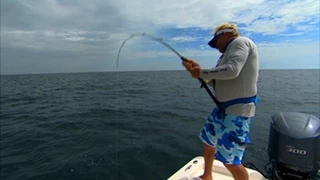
195, 168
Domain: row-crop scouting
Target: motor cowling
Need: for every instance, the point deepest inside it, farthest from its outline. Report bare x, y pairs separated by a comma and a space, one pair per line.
294, 145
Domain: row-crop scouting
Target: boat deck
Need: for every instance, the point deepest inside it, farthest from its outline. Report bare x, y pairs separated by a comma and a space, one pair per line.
195, 167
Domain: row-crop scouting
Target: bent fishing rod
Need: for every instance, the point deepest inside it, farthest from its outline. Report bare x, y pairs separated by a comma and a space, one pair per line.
160, 40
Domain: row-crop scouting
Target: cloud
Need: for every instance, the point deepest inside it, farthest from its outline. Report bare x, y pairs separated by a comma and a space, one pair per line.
288, 50
59, 15
129, 15
255, 14
184, 39
94, 30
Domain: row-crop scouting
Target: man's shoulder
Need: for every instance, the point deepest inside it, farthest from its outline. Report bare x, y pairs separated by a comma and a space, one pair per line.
244, 39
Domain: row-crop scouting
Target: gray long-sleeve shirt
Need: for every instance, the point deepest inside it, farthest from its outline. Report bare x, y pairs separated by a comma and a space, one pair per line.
235, 75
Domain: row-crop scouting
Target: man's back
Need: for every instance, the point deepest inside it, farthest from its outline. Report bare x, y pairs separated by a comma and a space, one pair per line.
241, 52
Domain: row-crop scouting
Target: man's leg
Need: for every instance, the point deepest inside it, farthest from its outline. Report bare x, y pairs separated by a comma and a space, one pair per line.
236, 136
238, 172
208, 153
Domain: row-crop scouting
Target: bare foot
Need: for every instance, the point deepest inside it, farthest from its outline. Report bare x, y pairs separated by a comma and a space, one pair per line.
206, 177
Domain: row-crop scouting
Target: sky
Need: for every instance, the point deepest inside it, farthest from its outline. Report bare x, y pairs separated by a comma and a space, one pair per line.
60, 36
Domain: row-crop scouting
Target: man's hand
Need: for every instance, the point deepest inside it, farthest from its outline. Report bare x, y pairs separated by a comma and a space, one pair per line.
193, 67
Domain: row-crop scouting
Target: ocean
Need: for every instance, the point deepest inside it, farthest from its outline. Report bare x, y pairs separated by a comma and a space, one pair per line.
127, 125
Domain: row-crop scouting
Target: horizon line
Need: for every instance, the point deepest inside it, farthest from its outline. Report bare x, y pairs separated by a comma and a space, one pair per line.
114, 71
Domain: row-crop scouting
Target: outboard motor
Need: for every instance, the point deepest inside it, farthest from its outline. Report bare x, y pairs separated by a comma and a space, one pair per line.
294, 146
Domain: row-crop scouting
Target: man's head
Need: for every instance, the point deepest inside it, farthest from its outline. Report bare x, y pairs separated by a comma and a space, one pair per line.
222, 34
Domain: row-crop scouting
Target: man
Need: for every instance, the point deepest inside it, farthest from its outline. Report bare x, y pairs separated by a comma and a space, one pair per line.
234, 80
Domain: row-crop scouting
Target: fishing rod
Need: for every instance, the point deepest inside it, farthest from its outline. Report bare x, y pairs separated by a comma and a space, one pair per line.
160, 40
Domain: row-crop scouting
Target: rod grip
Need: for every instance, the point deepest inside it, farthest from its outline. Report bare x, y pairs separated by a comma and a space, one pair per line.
183, 58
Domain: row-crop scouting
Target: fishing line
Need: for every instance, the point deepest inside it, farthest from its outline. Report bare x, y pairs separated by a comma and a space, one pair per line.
160, 40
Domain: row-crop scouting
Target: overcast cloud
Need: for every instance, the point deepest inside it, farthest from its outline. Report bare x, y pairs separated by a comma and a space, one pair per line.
52, 36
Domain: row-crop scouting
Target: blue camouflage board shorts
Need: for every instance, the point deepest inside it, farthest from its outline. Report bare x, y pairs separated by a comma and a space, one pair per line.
229, 134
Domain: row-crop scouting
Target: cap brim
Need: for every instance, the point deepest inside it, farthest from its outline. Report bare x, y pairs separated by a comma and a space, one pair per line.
213, 42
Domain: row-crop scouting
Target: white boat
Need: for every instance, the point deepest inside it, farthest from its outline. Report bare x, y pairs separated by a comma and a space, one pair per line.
195, 167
